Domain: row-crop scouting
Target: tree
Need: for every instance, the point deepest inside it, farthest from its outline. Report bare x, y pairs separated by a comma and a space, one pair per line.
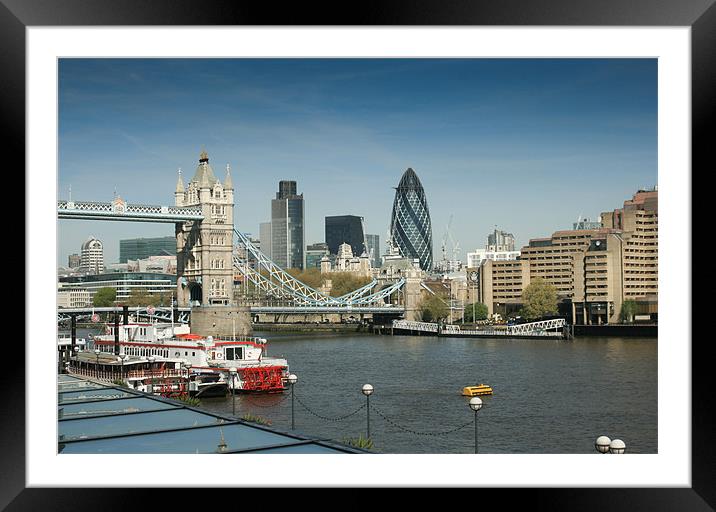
480, 312
628, 311
539, 299
140, 298
432, 309
104, 297
346, 282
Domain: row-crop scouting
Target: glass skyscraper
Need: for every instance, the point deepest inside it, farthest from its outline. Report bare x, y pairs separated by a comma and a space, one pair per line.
345, 229
287, 227
410, 227
141, 248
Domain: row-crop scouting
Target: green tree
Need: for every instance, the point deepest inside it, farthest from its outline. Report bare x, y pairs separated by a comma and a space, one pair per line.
539, 299
104, 297
142, 298
480, 312
346, 282
432, 308
628, 310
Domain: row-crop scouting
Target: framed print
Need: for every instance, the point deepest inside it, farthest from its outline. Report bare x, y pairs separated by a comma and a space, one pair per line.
647, 93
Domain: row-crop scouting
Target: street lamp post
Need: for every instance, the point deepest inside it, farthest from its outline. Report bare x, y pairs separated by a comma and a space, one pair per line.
367, 391
96, 353
475, 405
292, 380
122, 358
232, 373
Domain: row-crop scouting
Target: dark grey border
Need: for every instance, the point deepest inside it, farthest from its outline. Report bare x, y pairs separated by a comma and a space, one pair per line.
15, 15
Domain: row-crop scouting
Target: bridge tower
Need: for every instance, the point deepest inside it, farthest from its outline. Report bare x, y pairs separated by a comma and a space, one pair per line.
204, 249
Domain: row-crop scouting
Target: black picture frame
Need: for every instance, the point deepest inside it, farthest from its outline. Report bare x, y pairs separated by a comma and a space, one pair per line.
700, 15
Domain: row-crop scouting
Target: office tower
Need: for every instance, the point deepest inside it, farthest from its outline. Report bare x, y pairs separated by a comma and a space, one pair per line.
265, 237
346, 229
92, 256
287, 227
373, 249
410, 226
142, 248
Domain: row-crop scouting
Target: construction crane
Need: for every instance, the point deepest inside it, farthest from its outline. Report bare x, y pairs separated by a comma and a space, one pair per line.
455, 246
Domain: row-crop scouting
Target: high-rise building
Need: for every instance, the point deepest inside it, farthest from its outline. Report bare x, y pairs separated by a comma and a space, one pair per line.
142, 248
345, 229
410, 227
92, 256
287, 227
373, 249
74, 261
314, 254
499, 241
265, 237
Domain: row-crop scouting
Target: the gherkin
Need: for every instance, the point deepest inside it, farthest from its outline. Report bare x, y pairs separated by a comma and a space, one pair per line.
410, 226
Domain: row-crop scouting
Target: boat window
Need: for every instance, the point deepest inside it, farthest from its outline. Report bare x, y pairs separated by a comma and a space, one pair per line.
229, 352
193, 353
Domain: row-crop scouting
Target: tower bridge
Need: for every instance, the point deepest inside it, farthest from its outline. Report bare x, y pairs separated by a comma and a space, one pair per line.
207, 258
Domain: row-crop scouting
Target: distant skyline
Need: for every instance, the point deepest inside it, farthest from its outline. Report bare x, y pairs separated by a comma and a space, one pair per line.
526, 145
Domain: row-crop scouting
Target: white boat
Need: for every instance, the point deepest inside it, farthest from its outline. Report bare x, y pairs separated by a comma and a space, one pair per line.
211, 359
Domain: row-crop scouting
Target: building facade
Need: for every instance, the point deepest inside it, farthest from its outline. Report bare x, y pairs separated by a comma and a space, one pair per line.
373, 249
345, 229
593, 270
287, 227
123, 282
410, 225
74, 261
204, 249
92, 256
141, 248
265, 238
73, 298
500, 241
315, 253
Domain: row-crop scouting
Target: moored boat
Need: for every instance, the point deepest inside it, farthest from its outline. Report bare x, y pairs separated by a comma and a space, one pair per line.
211, 360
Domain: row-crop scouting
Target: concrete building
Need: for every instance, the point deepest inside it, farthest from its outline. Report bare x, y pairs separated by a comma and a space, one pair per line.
593, 270
287, 227
500, 246
74, 261
73, 298
141, 248
159, 264
265, 238
92, 256
499, 241
123, 282
204, 250
475, 258
347, 262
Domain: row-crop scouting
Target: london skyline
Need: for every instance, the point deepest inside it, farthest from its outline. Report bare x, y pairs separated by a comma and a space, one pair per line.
526, 145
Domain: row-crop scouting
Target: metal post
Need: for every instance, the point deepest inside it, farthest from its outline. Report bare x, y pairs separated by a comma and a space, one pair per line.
475, 431
368, 414
293, 423
116, 333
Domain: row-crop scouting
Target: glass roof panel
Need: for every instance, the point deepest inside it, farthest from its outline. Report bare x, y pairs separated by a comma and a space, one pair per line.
133, 423
113, 407
201, 440
91, 394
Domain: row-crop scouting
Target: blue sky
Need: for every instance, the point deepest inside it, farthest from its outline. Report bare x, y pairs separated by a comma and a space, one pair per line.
527, 145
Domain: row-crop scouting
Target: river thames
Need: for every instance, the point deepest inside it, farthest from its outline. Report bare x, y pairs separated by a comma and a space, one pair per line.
549, 396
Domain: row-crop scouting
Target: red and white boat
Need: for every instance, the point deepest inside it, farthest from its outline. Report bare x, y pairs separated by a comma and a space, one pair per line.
211, 359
